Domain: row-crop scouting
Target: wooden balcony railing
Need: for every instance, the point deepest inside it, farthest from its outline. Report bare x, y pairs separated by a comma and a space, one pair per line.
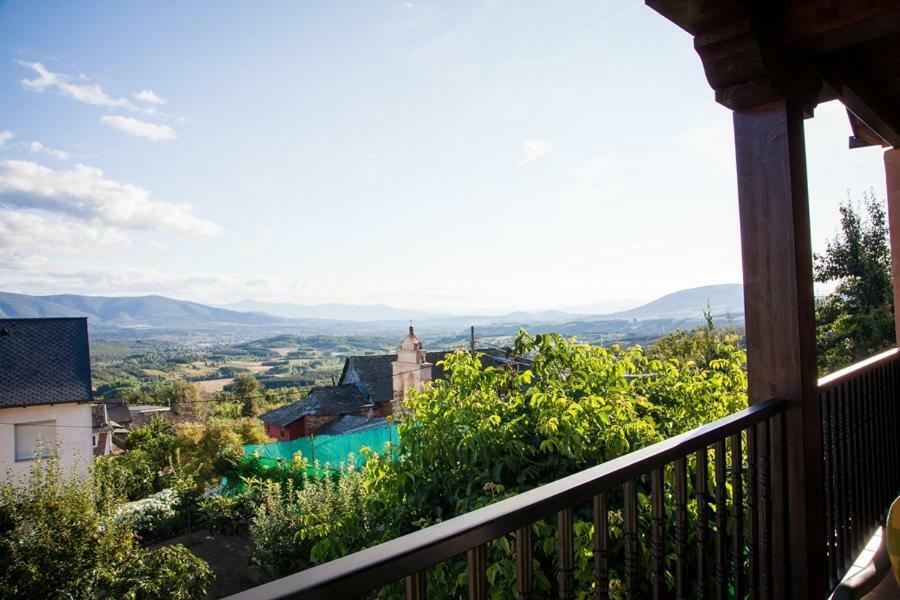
708, 528
727, 497
861, 438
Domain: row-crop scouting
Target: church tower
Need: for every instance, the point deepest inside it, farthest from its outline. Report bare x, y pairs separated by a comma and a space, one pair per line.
411, 369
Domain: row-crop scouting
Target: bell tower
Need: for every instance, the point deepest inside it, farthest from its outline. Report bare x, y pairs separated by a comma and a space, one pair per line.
411, 369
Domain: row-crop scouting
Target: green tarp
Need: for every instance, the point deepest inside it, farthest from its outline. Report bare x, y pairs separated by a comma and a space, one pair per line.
328, 450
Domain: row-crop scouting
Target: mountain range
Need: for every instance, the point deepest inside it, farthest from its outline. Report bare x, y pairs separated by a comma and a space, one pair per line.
162, 312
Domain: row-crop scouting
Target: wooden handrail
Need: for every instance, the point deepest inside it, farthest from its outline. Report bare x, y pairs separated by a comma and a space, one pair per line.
855, 370
383, 564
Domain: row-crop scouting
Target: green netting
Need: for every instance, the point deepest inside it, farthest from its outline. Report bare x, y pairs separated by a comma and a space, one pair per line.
329, 451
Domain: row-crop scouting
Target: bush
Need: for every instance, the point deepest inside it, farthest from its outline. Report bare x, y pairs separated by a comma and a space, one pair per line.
58, 538
295, 528
154, 517
228, 514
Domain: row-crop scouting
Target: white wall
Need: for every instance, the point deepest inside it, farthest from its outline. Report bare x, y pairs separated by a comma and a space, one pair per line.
73, 434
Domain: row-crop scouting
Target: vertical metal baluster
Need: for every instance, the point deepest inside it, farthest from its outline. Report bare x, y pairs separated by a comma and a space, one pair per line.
737, 513
565, 546
858, 467
601, 545
524, 564
752, 514
765, 512
702, 520
476, 570
415, 586
825, 406
880, 421
845, 478
868, 447
837, 493
721, 548
680, 476
657, 544
852, 470
631, 540
876, 449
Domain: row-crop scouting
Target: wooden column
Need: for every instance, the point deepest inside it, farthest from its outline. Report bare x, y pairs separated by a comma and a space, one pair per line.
892, 175
780, 328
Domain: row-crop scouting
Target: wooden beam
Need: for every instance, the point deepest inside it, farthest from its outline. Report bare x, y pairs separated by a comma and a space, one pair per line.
780, 328
892, 176
819, 26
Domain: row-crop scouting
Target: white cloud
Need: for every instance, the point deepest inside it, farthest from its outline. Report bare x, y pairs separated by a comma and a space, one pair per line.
28, 231
149, 96
84, 193
5, 136
533, 150
141, 129
86, 93
37, 148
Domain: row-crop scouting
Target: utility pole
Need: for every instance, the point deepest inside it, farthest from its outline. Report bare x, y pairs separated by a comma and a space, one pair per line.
472, 339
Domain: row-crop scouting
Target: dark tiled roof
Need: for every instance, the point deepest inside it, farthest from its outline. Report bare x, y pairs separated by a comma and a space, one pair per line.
338, 400
117, 410
376, 375
352, 424
44, 361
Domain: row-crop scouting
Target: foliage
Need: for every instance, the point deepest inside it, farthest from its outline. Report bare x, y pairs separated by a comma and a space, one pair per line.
857, 319
484, 433
58, 538
247, 392
229, 514
296, 527
182, 397
151, 516
171, 572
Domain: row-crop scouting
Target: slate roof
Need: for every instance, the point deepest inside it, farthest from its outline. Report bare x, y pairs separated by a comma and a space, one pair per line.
376, 375
371, 371
117, 410
336, 400
44, 361
352, 424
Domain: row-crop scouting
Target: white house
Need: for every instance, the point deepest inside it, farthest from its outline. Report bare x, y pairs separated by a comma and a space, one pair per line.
45, 394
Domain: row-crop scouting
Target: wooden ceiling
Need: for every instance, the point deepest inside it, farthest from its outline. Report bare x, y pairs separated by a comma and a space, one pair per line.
758, 51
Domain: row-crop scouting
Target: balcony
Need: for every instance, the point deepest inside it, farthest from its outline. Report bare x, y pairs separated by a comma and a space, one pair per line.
777, 500
716, 517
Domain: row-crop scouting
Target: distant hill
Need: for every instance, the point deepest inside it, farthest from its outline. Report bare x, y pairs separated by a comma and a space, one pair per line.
335, 311
723, 300
129, 313
139, 311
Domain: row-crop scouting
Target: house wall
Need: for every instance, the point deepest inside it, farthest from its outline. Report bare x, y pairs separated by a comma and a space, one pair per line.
74, 437
288, 432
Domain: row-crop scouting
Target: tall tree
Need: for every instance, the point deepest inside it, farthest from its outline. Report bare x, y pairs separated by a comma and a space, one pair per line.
247, 391
857, 319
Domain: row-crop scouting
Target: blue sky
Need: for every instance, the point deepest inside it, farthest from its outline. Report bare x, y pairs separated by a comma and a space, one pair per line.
458, 156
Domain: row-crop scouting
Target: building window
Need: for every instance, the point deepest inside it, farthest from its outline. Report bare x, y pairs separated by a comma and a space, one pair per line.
96, 439
35, 440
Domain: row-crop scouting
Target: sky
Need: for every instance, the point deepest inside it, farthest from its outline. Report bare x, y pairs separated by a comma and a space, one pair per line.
455, 156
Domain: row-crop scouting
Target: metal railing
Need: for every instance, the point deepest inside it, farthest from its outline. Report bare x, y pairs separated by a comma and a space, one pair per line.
727, 496
861, 439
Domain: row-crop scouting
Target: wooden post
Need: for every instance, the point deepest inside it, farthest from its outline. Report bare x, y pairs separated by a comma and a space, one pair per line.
892, 175
780, 329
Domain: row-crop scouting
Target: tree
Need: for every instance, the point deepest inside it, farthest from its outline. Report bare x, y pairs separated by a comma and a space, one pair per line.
182, 397
247, 391
857, 319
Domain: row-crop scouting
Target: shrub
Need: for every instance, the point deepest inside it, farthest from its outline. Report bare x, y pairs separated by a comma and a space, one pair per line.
154, 517
58, 539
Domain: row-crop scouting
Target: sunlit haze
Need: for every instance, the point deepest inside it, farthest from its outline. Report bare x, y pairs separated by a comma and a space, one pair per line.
458, 156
